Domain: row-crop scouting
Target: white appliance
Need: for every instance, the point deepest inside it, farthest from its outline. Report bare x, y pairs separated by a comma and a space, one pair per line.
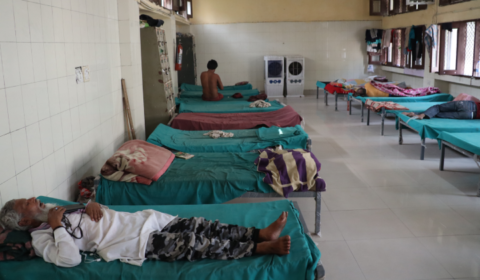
295, 80
274, 76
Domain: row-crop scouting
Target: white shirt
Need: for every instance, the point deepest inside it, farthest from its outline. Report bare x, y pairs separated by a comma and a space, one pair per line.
117, 236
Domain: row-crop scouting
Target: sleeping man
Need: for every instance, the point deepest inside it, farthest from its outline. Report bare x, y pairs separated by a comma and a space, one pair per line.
210, 82
134, 237
461, 110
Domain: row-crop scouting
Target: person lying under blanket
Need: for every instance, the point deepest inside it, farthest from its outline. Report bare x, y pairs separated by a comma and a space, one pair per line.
210, 81
135, 237
465, 110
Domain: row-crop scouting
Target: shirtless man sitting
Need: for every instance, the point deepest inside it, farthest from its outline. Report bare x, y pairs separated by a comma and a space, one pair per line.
58, 237
210, 81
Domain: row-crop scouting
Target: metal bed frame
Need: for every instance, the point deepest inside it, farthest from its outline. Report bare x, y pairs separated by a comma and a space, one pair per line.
446, 144
402, 124
358, 101
326, 97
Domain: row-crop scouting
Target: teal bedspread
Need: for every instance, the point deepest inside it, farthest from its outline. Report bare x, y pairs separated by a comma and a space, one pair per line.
431, 128
189, 87
226, 93
299, 264
207, 178
194, 105
416, 107
243, 140
428, 98
467, 141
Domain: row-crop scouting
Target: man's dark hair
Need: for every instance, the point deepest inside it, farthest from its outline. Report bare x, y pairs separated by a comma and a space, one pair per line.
212, 65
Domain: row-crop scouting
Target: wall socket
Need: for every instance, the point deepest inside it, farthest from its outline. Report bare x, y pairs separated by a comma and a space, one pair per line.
82, 74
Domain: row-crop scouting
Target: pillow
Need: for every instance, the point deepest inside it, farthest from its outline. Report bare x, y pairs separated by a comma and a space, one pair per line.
466, 97
15, 245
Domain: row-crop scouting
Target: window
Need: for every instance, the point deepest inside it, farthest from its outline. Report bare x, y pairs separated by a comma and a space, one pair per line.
457, 49
393, 7
398, 58
450, 2
476, 59
375, 7
374, 58
189, 9
418, 53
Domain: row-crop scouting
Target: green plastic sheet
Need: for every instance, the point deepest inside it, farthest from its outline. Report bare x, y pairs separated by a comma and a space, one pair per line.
299, 264
467, 141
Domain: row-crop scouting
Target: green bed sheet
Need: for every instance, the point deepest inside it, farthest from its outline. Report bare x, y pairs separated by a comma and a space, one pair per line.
299, 264
428, 98
243, 140
431, 128
190, 87
207, 178
226, 93
194, 105
467, 141
415, 107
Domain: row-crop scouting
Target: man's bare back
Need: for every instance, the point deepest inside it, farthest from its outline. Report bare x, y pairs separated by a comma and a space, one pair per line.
210, 82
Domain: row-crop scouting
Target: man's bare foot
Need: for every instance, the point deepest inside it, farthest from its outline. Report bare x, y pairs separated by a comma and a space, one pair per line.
409, 114
273, 231
281, 247
421, 116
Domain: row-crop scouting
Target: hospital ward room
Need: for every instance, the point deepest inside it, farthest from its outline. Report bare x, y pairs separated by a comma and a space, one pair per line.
240, 139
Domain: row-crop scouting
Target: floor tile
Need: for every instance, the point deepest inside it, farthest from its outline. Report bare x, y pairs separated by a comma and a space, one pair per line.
352, 199
338, 261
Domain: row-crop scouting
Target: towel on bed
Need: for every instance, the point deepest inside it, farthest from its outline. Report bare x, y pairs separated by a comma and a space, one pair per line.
393, 90
389, 105
15, 245
287, 171
137, 161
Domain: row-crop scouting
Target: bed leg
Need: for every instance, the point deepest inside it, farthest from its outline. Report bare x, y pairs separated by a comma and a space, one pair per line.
362, 110
318, 206
422, 151
326, 97
336, 101
317, 91
442, 156
368, 117
478, 190
350, 102
383, 121
400, 133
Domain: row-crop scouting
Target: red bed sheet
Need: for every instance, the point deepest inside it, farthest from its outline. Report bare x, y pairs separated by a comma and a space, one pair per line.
285, 117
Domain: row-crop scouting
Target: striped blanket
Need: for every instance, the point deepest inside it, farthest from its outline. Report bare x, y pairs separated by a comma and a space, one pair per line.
287, 171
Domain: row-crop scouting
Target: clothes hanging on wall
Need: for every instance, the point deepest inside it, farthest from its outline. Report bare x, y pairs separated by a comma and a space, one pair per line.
418, 43
373, 37
387, 38
431, 37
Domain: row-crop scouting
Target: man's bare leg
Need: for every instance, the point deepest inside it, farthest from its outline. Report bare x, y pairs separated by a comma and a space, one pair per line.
281, 246
410, 114
273, 231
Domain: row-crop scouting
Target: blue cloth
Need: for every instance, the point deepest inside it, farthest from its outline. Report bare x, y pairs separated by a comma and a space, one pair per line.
243, 141
428, 98
299, 264
226, 93
460, 110
207, 178
467, 141
189, 87
193, 105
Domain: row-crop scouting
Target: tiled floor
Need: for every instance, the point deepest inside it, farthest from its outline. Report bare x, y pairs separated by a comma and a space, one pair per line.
386, 214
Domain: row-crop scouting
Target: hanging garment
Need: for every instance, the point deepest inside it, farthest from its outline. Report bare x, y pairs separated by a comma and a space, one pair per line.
431, 36
418, 45
387, 38
411, 39
373, 33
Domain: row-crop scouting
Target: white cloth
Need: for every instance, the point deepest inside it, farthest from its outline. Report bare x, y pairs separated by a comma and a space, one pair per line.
117, 236
260, 104
387, 38
215, 134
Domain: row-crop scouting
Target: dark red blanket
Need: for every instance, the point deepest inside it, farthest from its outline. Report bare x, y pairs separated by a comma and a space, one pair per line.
285, 117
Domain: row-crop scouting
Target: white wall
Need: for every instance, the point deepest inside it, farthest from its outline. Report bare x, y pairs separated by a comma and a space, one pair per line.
332, 49
53, 132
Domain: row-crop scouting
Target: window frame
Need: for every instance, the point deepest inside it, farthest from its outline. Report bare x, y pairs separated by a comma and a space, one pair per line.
476, 52
461, 43
372, 13
408, 62
395, 52
451, 2
189, 16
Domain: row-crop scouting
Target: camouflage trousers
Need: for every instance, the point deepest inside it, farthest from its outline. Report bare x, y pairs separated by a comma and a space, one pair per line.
196, 238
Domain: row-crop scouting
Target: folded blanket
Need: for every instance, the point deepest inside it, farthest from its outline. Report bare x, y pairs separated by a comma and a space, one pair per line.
15, 245
394, 90
261, 96
377, 106
287, 171
215, 134
137, 161
260, 104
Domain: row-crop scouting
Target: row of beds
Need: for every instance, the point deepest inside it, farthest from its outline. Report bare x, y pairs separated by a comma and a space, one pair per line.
462, 136
221, 170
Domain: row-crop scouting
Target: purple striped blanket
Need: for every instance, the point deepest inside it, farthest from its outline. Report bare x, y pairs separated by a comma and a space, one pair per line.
287, 171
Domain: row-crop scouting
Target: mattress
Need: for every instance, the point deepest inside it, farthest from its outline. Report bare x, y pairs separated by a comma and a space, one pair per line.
207, 178
299, 264
431, 128
467, 141
285, 117
194, 105
243, 140
189, 87
226, 93
429, 98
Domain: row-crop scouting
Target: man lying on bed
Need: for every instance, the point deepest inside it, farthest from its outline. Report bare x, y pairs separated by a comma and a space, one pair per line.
134, 237
210, 81
461, 110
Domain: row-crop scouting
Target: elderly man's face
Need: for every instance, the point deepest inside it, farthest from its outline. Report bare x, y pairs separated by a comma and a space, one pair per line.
28, 208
